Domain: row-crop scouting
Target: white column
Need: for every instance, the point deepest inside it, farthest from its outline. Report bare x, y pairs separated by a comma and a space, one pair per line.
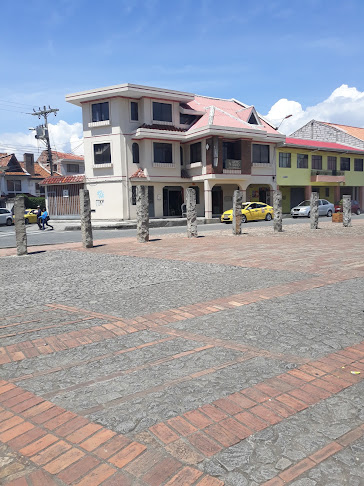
207, 187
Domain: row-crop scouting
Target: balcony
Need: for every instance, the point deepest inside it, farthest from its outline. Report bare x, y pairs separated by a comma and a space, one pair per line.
327, 176
232, 166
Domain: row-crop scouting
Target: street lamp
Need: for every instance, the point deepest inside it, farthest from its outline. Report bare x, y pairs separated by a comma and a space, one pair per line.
285, 118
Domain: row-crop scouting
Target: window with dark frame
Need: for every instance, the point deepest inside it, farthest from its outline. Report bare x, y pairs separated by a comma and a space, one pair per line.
13, 186
74, 168
284, 159
260, 154
316, 162
162, 112
185, 119
135, 150
133, 195
327, 192
302, 161
181, 154
252, 120
162, 153
195, 152
358, 165
134, 111
102, 153
344, 163
331, 163
100, 111
197, 191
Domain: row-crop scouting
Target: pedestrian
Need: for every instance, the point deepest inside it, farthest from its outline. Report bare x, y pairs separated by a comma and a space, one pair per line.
45, 218
39, 214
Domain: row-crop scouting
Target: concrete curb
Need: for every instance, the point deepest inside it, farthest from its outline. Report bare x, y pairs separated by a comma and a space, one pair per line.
152, 224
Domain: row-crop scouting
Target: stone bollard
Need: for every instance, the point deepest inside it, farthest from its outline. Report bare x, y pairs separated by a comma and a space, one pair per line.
237, 205
347, 211
86, 227
20, 231
142, 204
314, 210
277, 208
191, 213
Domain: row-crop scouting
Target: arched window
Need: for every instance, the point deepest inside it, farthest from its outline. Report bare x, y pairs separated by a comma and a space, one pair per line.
135, 150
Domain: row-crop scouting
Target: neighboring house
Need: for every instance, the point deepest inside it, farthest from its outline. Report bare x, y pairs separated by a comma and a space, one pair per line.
171, 140
63, 188
329, 168
19, 178
331, 132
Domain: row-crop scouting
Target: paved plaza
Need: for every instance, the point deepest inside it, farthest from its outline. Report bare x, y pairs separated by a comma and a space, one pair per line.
212, 361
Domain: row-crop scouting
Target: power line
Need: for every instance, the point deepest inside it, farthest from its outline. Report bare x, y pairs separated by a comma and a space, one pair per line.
16, 103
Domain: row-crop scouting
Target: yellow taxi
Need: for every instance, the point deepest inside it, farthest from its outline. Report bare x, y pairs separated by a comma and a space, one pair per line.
30, 216
251, 211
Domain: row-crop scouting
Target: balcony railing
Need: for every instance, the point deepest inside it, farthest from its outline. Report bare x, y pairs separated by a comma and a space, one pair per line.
315, 172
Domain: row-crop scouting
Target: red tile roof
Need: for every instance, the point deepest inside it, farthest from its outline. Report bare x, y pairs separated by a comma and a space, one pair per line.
75, 179
139, 174
7, 173
170, 128
43, 158
5, 159
302, 142
356, 132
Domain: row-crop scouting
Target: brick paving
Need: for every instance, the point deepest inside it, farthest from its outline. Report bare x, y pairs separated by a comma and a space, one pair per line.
257, 386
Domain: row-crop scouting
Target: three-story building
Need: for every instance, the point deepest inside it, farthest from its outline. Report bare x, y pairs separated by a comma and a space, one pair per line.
171, 140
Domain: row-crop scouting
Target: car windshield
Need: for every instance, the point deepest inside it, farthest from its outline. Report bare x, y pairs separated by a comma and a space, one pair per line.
305, 203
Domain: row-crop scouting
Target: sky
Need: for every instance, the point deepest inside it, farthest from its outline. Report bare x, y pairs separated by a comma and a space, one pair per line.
303, 58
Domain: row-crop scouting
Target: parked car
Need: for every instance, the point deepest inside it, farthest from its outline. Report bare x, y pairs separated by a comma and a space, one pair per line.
6, 217
251, 211
355, 208
30, 216
325, 208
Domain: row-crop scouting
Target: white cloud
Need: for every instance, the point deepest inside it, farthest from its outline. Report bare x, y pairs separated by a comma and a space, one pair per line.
63, 137
345, 106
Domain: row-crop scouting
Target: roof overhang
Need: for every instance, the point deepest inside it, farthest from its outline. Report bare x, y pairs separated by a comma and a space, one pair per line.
323, 149
128, 91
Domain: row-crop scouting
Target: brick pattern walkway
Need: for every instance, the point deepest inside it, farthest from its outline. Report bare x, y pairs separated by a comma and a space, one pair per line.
61, 447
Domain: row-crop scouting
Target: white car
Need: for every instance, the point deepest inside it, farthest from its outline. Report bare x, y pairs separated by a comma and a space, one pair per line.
6, 217
325, 208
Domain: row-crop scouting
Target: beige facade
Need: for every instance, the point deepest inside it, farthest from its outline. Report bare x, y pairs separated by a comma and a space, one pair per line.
170, 141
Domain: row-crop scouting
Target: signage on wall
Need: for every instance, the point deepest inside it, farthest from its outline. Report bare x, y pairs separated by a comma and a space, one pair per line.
65, 193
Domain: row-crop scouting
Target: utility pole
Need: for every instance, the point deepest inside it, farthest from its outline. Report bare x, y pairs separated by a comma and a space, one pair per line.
42, 130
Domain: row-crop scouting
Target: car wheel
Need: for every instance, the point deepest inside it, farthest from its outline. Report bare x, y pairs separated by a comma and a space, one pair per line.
26, 220
243, 219
358, 212
329, 213
309, 214
268, 217
9, 222
294, 217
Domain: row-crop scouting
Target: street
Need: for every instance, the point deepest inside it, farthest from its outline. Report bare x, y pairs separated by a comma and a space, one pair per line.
49, 237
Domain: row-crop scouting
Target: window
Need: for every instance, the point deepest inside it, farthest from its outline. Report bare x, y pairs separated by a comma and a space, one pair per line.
317, 162
134, 111
331, 163
344, 163
197, 191
195, 152
100, 112
358, 165
135, 150
55, 167
133, 195
252, 120
162, 112
185, 119
181, 154
284, 160
327, 191
75, 168
302, 161
102, 153
14, 186
162, 153
260, 154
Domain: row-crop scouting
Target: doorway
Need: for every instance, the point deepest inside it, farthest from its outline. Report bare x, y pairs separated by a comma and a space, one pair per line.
263, 195
151, 201
297, 196
172, 200
217, 200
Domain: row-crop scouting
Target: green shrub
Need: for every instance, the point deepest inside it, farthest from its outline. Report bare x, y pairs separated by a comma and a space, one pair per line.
31, 202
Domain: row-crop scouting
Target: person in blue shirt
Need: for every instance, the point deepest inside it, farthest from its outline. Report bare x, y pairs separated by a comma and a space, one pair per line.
45, 218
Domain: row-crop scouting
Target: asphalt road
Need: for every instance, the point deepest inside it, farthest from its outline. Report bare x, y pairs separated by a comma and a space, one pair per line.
58, 235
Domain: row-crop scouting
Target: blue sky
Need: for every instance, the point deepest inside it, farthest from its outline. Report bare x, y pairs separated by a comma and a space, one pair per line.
256, 51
